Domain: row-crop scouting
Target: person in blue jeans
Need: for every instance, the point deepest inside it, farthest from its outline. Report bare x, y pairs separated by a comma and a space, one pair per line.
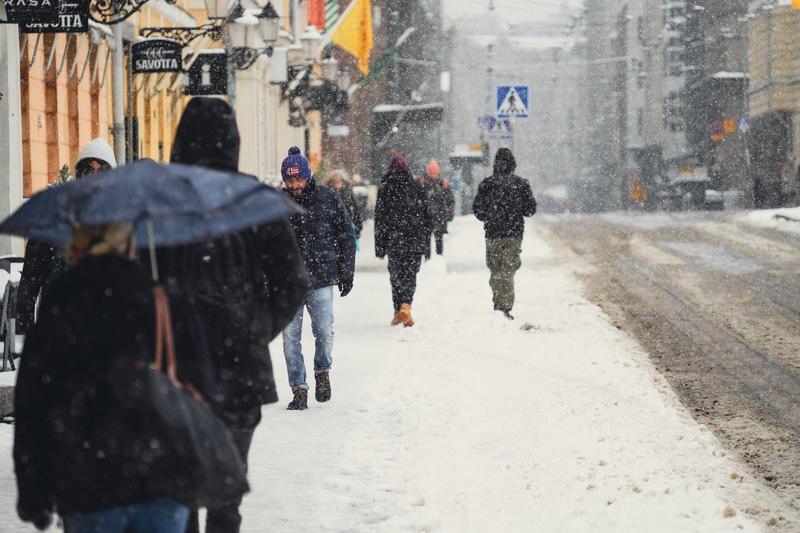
327, 241
156, 516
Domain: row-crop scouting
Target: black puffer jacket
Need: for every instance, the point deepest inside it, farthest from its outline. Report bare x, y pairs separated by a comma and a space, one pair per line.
440, 202
402, 220
503, 199
247, 286
95, 323
326, 237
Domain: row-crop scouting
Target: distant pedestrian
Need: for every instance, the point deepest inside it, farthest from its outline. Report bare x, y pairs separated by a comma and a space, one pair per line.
43, 262
502, 201
338, 182
246, 287
327, 240
402, 232
441, 203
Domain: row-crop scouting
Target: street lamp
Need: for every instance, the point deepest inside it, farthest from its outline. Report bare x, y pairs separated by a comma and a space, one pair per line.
269, 23
310, 39
344, 80
330, 68
218, 9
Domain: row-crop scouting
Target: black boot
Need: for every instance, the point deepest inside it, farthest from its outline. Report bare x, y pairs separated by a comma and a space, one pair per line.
300, 401
323, 391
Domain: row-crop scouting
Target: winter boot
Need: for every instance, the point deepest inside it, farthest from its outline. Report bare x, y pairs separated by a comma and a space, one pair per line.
405, 315
323, 390
300, 401
398, 318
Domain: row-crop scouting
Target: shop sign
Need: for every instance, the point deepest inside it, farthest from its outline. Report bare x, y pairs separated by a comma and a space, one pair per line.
208, 74
71, 16
20, 11
157, 55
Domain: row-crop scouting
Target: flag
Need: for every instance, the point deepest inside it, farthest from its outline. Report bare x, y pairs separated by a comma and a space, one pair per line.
795, 4
323, 14
331, 13
354, 33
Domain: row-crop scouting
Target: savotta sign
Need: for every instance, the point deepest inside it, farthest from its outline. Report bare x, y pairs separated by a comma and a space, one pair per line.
71, 16
157, 55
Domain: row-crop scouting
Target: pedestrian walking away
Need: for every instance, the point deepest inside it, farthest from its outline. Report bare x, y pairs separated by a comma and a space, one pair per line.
327, 240
503, 199
80, 441
246, 286
402, 232
42, 262
338, 182
441, 203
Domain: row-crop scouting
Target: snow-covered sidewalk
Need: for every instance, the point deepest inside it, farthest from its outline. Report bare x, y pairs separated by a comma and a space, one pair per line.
469, 422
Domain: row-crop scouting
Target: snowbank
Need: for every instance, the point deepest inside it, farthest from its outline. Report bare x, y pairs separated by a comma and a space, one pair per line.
785, 219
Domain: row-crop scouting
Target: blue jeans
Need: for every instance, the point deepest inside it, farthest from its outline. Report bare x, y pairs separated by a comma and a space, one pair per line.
320, 307
155, 516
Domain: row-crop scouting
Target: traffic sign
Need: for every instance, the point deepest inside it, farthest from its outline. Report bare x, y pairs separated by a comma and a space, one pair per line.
744, 122
512, 101
496, 128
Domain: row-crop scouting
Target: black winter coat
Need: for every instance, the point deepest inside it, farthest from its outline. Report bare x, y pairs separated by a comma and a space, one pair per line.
326, 237
501, 203
96, 322
42, 265
246, 286
440, 203
402, 221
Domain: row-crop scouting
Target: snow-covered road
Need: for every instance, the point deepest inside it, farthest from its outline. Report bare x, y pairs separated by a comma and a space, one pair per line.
469, 422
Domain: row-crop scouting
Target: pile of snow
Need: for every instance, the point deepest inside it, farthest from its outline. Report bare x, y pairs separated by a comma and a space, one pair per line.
785, 219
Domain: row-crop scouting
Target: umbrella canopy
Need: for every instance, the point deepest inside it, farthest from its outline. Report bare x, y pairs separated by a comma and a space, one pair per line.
180, 203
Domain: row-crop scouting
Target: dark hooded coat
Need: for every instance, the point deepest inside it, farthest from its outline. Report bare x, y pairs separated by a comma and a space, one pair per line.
441, 202
42, 265
77, 448
246, 286
503, 199
326, 237
402, 220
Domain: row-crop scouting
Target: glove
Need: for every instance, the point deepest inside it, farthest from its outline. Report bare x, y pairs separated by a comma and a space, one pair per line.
345, 287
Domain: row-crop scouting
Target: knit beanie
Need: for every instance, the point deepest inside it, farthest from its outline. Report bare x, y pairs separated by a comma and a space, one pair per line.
295, 165
433, 169
398, 163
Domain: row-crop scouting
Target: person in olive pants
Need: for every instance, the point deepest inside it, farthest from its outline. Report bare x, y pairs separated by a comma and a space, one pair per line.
502, 201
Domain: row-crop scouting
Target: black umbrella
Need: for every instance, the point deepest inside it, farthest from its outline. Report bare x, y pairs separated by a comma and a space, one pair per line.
168, 204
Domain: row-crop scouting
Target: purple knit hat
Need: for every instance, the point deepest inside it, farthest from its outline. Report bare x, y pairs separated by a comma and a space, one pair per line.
295, 165
399, 163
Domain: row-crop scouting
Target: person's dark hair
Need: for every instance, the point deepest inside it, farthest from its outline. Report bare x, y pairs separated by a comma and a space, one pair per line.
84, 166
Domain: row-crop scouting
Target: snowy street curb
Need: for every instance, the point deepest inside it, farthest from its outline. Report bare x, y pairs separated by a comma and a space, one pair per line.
6, 401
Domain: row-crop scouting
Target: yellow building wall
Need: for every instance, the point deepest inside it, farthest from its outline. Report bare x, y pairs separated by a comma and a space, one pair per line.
60, 112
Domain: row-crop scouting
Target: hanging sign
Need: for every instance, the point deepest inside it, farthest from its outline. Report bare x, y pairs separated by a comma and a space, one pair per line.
157, 55
24, 11
208, 74
512, 101
72, 16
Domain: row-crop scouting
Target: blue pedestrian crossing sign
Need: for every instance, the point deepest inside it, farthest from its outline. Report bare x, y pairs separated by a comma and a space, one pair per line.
512, 101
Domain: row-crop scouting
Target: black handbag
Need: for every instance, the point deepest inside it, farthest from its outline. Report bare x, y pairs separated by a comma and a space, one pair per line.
199, 462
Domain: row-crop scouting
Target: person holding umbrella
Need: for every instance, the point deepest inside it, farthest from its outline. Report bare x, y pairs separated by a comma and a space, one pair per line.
327, 239
97, 322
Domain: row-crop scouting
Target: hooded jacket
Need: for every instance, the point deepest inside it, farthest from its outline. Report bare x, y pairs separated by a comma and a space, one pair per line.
402, 220
43, 263
503, 199
247, 286
325, 235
